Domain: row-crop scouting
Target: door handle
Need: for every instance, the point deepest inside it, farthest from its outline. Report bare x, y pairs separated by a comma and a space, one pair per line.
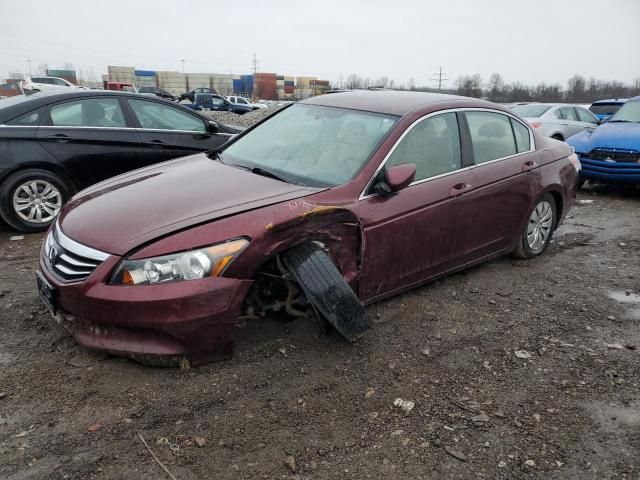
459, 189
58, 137
156, 143
529, 165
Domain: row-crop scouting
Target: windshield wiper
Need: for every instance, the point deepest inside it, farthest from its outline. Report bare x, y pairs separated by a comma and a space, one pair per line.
267, 173
620, 121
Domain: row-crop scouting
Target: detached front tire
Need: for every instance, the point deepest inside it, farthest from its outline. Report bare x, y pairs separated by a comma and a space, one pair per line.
538, 230
325, 288
31, 199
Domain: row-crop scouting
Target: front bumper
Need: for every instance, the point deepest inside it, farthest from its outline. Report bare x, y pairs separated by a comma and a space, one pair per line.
155, 324
609, 171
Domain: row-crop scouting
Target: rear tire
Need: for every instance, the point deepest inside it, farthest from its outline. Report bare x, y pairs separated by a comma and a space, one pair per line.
537, 232
30, 200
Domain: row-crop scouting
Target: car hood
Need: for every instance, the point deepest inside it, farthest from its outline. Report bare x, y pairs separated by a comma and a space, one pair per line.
121, 214
608, 135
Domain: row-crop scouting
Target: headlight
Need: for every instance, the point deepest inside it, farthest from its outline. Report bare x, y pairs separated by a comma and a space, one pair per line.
191, 265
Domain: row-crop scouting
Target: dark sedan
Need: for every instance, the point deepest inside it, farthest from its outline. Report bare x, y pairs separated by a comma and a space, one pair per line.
54, 144
191, 94
217, 103
330, 203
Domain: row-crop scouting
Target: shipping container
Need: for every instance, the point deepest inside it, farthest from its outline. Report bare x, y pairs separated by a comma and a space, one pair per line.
237, 86
264, 86
144, 73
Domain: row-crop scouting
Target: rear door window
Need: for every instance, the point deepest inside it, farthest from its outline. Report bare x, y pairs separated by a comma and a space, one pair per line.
492, 136
586, 116
153, 115
523, 137
433, 145
93, 112
567, 113
30, 119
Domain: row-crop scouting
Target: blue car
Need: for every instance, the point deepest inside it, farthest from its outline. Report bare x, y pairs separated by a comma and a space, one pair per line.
611, 153
603, 109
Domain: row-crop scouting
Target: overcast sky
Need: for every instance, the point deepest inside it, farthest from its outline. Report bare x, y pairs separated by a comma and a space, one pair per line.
527, 41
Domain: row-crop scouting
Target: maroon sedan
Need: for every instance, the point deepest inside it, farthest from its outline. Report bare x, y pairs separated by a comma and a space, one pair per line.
334, 202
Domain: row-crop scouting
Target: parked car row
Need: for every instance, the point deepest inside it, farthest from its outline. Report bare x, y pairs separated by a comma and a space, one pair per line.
55, 144
157, 264
555, 120
611, 152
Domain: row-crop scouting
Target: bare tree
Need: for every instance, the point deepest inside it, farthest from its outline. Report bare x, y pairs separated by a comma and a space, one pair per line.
353, 82
495, 88
576, 89
470, 85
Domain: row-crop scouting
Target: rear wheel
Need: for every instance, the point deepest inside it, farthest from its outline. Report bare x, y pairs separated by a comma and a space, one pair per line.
31, 199
538, 230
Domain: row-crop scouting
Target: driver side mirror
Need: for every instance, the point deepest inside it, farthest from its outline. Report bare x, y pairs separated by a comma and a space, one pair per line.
395, 179
213, 127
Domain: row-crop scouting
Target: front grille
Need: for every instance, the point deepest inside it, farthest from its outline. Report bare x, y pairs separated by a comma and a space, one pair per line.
615, 155
69, 260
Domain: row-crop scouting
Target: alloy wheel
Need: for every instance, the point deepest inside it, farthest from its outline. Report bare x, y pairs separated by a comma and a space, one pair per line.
539, 227
37, 201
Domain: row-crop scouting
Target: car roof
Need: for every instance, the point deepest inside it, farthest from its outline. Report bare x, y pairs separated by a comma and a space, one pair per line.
41, 99
393, 102
612, 100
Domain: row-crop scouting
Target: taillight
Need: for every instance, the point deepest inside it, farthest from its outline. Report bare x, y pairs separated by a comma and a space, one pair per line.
575, 161
536, 124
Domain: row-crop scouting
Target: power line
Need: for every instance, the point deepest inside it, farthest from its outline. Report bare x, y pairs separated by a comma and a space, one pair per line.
438, 78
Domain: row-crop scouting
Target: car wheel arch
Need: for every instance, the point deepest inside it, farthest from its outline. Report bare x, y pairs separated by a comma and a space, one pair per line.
53, 168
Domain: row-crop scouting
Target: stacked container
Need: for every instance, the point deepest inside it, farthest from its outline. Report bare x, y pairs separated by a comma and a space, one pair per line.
318, 87
68, 75
173, 82
145, 78
289, 85
198, 80
222, 83
264, 86
237, 86
121, 74
280, 86
10, 87
247, 85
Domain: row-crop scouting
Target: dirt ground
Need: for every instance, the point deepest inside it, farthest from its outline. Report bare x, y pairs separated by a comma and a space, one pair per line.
517, 369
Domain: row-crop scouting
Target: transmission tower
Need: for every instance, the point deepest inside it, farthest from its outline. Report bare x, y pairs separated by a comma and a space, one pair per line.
438, 78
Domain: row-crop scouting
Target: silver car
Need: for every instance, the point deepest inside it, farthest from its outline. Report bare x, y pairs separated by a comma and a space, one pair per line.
557, 120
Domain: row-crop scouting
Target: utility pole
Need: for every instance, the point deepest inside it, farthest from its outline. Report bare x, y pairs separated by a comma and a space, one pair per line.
439, 77
29, 60
340, 82
256, 86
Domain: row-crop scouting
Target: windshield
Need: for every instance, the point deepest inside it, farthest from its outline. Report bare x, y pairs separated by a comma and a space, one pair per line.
630, 112
311, 145
530, 111
605, 108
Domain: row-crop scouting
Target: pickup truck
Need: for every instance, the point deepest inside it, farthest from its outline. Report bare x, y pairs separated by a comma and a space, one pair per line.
217, 103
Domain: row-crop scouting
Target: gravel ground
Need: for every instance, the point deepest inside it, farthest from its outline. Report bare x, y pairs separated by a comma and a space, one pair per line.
513, 369
246, 120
